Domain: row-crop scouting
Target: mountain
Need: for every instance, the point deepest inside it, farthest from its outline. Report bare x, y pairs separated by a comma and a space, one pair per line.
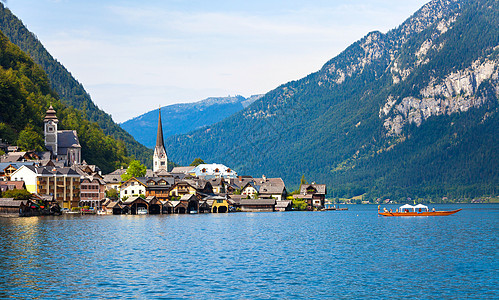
25, 95
184, 117
409, 113
71, 92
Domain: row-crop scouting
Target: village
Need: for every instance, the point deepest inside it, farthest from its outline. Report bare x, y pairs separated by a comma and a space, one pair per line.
59, 181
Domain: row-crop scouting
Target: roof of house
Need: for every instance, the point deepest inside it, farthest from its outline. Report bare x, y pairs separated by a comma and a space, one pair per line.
249, 202
187, 197
182, 169
282, 204
67, 139
271, 186
320, 188
10, 202
17, 185
52, 171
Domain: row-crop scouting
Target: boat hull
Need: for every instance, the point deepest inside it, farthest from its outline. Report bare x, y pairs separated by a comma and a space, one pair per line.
416, 214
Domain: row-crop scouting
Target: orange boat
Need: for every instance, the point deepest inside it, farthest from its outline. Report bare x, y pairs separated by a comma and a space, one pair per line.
417, 211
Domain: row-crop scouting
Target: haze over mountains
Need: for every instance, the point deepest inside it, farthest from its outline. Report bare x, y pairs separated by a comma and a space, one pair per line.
184, 117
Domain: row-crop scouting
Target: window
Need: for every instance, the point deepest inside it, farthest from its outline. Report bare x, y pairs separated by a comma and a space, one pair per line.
162, 163
126, 192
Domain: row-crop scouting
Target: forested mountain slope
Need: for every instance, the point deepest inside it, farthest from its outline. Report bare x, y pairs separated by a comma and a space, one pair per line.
71, 92
184, 117
409, 113
25, 95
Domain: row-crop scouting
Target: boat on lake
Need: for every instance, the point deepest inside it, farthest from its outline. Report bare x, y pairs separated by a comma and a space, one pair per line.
419, 210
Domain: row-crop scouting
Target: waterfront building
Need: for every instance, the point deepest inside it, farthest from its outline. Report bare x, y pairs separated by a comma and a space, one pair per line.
93, 191
314, 194
160, 159
62, 183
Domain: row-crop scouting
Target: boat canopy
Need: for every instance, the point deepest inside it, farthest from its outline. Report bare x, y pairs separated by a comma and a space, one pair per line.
406, 206
421, 206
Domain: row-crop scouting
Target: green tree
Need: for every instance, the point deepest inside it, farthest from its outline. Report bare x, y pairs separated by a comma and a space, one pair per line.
196, 162
17, 194
303, 180
135, 169
29, 139
112, 194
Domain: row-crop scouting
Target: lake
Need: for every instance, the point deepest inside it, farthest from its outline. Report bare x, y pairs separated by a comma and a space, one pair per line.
288, 255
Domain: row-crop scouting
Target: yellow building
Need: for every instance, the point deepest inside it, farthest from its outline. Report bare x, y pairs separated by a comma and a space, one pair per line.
62, 183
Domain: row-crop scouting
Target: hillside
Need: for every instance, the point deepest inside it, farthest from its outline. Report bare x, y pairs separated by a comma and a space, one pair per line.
71, 92
25, 95
409, 113
184, 117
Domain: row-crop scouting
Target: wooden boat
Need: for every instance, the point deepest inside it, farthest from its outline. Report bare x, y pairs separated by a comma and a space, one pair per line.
417, 211
419, 214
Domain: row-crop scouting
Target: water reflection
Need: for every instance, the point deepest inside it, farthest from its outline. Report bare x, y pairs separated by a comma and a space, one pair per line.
349, 254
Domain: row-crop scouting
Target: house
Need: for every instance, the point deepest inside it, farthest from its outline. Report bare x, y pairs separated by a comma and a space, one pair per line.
92, 191
113, 179
136, 203
9, 206
218, 185
257, 205
199, 187
133, 187
314, 194
158, 187
218, 204
250, 189
284, 205
208, 171
272, 188
237, 184
62, 183
12, 185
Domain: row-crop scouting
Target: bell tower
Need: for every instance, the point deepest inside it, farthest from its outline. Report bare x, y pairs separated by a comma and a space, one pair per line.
50, 130
159, 159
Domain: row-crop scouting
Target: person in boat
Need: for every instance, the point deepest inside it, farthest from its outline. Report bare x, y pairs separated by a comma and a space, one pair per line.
384, 209
390, 210
433, 209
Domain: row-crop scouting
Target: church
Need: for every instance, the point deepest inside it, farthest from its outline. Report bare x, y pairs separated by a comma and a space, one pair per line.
160, 160
63, 144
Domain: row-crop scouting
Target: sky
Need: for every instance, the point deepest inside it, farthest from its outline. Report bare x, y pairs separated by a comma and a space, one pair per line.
134, 56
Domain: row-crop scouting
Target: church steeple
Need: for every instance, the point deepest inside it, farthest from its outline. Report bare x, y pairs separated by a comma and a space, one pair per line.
50, 130
159, 136
160, 160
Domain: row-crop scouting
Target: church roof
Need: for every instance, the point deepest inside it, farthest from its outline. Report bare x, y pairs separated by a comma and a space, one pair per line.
50, 115
159, 136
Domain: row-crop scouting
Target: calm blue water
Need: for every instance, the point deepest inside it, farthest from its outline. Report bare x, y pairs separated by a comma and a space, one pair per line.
292, 255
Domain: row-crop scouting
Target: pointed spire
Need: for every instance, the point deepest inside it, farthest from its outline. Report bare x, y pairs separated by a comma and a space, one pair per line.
159, 137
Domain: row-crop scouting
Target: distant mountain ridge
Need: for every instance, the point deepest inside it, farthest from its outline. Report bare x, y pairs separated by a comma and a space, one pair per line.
184, 117
70, 91
409, 113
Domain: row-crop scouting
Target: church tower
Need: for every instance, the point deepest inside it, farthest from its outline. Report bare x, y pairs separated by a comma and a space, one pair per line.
159, 160
50, 130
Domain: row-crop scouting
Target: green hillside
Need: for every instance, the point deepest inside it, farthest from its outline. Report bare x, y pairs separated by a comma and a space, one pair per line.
436, 77
25, 95
71, 92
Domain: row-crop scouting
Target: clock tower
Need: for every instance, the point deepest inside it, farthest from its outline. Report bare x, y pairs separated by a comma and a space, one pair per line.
159, 159
50, 130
